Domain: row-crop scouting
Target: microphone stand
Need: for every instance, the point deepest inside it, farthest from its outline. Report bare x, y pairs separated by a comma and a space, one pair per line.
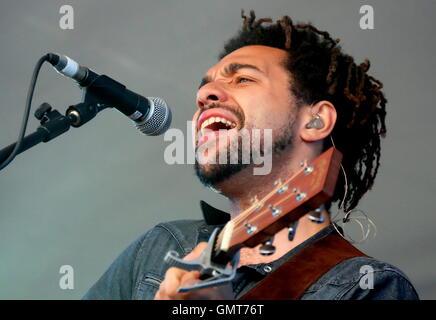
53, 124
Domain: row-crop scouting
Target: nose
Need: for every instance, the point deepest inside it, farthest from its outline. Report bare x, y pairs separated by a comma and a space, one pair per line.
211, 92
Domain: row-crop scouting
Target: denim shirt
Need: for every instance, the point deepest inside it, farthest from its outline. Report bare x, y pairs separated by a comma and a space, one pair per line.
138, 271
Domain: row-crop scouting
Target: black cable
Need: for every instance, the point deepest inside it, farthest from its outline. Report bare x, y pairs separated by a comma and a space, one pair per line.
27, 110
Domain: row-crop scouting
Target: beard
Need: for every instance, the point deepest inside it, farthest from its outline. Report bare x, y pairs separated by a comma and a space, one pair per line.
212, 174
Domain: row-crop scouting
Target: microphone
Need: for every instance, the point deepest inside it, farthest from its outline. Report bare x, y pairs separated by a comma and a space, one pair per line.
151, 115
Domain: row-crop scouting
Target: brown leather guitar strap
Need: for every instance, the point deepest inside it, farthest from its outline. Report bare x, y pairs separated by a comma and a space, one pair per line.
293, 277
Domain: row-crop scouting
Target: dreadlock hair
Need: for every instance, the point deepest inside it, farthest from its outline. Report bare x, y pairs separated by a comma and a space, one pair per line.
320, 70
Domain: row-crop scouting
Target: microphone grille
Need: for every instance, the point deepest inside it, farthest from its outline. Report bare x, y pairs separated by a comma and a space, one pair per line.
158, 119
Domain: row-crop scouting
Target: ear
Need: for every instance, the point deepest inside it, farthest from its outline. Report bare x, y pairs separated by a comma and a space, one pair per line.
327, 112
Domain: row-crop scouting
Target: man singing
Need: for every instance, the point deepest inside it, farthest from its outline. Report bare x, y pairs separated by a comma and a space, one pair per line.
296, 81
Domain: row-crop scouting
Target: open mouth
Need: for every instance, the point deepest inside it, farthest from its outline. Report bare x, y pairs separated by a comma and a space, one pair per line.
212, 124
217, 123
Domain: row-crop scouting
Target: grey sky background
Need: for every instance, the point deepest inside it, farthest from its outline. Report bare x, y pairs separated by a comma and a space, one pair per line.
82, 198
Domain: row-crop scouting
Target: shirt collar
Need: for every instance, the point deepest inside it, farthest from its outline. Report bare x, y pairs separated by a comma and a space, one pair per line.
213, 216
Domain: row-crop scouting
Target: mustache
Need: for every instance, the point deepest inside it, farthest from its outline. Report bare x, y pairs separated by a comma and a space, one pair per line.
236, 111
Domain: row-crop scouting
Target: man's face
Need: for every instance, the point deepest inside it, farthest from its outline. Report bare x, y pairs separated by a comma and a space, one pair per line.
249, 89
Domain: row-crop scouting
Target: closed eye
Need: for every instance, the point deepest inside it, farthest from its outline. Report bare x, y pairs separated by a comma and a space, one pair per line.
243, 79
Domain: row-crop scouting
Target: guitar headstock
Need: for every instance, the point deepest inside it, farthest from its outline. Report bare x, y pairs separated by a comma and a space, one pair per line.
290, 199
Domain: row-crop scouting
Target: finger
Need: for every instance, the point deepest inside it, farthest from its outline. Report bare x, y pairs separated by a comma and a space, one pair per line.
196, 251
190, 278
176, 277
157, 296
168, 288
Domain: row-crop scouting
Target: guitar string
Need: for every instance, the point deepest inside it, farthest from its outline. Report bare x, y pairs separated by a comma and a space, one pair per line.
253, 212
252, 209
244, 214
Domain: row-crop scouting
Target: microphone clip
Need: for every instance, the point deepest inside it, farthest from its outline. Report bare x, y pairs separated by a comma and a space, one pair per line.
83, 112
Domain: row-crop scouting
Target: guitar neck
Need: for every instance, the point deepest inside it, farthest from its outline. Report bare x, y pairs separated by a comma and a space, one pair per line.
305, 191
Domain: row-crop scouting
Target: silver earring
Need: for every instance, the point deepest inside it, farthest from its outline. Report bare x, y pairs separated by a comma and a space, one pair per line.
316, 122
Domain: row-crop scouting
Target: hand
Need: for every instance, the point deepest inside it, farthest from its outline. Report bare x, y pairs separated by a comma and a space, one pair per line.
176, 278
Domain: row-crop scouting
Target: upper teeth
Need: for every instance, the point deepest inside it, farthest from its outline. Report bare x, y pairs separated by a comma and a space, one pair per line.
217, 119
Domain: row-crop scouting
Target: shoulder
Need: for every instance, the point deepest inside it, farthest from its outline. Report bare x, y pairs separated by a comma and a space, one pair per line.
143, 259
149, 265
363, 278
179, 235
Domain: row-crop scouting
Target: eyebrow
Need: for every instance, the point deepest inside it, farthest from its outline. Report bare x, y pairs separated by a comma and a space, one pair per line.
230, 70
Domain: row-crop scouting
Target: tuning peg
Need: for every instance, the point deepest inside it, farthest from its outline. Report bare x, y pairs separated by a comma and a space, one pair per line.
267, 248
307, 167
292, 230
317, 216
282, 187
250, 227
300, 195
275, 211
